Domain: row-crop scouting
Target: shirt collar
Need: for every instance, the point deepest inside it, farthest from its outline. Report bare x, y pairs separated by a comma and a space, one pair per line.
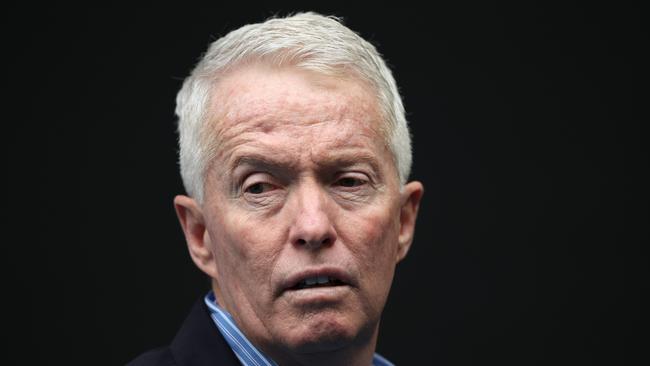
248, 354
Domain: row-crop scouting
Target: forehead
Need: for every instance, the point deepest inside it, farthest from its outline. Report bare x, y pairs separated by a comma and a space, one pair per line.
263, 92
258, 102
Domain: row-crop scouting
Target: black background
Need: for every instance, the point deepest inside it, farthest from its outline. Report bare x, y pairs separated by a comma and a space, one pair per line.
527, 125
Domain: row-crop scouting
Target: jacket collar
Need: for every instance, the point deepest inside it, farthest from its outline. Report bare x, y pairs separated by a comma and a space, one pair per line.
199, 342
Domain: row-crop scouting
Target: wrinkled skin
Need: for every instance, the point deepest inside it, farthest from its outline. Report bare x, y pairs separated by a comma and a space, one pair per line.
301, 183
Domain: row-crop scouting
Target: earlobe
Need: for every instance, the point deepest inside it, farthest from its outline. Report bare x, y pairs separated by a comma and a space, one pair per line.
192, 220
410, 199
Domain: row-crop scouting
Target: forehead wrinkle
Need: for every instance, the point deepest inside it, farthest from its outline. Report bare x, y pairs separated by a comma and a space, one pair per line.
256, 114
241, 97
238, 108
348, 147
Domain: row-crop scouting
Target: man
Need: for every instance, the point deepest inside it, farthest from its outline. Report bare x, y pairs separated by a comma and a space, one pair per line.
295, 154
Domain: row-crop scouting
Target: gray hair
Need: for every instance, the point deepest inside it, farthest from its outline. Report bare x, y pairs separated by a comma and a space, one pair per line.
307, 41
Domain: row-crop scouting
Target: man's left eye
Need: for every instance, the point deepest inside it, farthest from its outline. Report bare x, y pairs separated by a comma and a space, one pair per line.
350, 182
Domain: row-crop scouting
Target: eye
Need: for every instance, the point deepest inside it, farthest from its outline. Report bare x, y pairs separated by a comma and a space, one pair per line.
259, 188
351, 182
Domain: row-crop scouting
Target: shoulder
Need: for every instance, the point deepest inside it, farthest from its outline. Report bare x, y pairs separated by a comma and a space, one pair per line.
198, 342
156, 357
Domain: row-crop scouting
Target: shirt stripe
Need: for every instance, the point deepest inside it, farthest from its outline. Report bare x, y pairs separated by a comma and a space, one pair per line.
248, 354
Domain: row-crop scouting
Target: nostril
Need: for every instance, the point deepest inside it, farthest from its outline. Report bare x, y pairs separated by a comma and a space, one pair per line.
315, 243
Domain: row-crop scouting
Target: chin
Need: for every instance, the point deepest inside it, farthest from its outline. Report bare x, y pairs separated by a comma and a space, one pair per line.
322, 333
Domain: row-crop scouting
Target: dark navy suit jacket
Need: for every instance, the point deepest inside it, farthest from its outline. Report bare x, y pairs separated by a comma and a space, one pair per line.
197, 343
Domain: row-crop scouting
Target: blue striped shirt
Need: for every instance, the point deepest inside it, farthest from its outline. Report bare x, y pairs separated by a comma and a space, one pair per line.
248, 354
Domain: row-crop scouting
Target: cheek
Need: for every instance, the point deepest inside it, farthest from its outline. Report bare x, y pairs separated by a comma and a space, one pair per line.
372, 238
244, 252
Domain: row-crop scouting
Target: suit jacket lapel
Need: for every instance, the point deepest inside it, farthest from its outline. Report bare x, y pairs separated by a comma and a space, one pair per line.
199, 342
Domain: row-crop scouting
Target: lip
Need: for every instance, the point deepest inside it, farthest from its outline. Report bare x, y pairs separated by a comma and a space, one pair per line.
292, 280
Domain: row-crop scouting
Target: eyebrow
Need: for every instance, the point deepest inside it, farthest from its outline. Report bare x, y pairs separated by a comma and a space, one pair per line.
260, 161
333, 160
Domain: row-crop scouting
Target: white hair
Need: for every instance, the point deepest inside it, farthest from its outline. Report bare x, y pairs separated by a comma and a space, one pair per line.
307, 41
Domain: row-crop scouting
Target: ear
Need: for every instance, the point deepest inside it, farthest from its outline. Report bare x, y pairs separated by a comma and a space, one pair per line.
410, 202
192, 221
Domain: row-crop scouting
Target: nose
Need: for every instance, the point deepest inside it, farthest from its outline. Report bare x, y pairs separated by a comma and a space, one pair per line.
312, 226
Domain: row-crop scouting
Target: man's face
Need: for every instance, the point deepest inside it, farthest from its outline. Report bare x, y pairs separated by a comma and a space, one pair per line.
303, 218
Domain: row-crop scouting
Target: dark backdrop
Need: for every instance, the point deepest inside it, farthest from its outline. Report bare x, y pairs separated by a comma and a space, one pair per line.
527, 126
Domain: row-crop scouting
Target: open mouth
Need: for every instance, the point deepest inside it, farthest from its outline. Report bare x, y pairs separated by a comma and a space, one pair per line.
317, 281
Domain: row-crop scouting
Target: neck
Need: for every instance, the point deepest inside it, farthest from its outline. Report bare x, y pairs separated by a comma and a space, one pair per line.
357, 354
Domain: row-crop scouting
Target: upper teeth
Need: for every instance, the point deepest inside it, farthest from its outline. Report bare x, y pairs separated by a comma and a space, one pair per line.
317, 280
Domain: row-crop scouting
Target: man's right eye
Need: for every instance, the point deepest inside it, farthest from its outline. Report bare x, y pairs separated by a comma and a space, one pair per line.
258, 188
